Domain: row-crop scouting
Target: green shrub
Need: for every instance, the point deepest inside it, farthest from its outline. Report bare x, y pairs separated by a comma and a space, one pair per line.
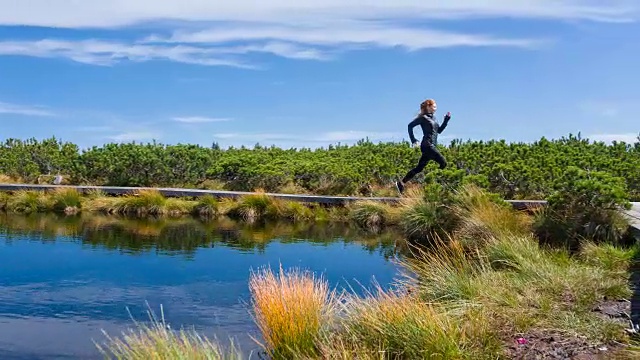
513, 170
584, 205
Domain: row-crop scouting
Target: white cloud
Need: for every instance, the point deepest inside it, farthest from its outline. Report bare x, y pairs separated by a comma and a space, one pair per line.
198, 119
214, 33
134, 136
629, 138
256, 136
14, 109
614, 110
340, 34
327, 137
96, 128
105, 53
117, 13
335, 136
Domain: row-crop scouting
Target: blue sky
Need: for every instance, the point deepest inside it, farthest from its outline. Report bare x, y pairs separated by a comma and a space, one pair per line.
313, 73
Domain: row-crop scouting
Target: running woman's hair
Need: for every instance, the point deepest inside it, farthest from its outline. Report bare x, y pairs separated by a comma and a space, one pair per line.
425, 104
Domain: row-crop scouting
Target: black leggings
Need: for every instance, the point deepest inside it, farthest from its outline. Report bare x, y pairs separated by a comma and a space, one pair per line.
428, 153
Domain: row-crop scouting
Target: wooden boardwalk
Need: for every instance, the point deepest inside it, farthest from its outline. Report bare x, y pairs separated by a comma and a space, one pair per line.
179, 192
634, 218
633, 214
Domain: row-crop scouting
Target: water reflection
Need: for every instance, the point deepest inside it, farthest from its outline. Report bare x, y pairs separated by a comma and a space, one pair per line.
64, 278
184, 236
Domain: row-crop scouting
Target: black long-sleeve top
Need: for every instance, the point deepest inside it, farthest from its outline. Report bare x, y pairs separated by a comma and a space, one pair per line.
430, 128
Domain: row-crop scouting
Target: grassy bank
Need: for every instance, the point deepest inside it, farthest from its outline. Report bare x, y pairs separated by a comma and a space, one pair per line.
249, 208
483, 286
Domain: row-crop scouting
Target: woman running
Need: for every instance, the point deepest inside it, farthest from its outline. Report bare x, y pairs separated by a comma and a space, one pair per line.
430, 131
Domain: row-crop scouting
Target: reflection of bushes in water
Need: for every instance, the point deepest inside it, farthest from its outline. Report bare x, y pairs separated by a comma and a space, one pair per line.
40, 226
185, 235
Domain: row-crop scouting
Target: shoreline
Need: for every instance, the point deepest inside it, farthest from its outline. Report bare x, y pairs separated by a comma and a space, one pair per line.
250, 207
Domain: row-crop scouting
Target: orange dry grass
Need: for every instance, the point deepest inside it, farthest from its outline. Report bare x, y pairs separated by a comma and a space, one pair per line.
483, 218
290, 310
4, 179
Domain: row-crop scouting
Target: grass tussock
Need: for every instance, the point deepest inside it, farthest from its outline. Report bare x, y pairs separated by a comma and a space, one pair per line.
290, 310
253, 207
482, 215
263, 207
146, 202
227, 207
423, 216
207, 206
178, 207
158, 341
404, 327
334, 214
27, 202
608, 257
292, 211
67, 200
372, 214
103, 204
4, 200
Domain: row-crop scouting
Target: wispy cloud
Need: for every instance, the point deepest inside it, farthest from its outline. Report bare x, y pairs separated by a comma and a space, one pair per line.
106, 53
611, 108
134, 136
110, 13
325, 41
334, 136
199, 119
94, 129
327, 137
14, 109
629, 138
228, 33
211, 48
256, 136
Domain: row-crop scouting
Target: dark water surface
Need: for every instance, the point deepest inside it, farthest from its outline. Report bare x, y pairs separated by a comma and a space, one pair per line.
64, 279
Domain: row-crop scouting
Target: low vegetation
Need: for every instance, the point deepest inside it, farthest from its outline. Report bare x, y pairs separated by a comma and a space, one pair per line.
484, 282
512, 170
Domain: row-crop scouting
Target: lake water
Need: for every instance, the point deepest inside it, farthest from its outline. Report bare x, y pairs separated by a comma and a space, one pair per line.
64, 279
